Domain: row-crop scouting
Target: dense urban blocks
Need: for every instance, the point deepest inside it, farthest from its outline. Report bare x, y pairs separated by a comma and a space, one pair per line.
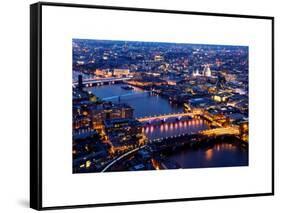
153, 105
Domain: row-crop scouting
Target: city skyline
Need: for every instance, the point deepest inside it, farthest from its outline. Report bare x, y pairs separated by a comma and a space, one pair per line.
157, 105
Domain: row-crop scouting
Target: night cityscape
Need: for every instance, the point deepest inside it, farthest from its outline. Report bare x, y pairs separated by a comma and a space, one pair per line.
154, 106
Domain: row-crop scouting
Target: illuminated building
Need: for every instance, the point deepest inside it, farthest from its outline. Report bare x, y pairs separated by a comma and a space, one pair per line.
121, 72
80, 62
124, 134
109, 111
103, 73
81, 122
93, 98
187, 107
87, 148
221, 97
207, 71
196, 73
81, 119
244, 131
158, 58
172, 82
147, 82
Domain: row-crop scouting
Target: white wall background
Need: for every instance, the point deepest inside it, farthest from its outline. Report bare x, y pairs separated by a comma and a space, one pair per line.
14, 107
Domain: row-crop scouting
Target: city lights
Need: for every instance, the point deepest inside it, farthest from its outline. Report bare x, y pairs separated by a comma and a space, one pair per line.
153, 106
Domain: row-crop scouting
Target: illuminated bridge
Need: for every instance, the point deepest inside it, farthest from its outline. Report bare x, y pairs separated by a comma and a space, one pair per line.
166, 116
181, 116
124, 95
101, 81
177, 141
233, 130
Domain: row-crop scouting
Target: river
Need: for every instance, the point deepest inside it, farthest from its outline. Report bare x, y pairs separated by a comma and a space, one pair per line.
219, 155
145, 104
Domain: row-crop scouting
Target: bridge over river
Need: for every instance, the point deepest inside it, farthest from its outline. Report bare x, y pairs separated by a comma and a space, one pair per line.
91, 82
165, 123
180, 116
200, 138
129, 94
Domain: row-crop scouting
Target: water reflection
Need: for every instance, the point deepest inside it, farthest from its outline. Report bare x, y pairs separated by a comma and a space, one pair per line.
174, 128
219, 155
209, 154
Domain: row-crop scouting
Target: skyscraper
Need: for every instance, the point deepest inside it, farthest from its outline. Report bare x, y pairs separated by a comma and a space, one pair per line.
221, 81
80, 81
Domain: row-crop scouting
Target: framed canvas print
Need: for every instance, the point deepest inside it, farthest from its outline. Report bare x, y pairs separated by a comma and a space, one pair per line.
134, 105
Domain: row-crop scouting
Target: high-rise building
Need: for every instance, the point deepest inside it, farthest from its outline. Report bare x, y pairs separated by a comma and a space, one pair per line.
220, 81
80, 81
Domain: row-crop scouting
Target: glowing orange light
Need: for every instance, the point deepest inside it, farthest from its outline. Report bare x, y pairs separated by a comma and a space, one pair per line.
209, 154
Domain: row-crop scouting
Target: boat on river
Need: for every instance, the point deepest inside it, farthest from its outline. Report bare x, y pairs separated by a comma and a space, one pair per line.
127, 87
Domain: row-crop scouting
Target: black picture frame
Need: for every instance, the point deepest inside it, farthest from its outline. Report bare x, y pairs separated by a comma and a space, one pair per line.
36, 104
